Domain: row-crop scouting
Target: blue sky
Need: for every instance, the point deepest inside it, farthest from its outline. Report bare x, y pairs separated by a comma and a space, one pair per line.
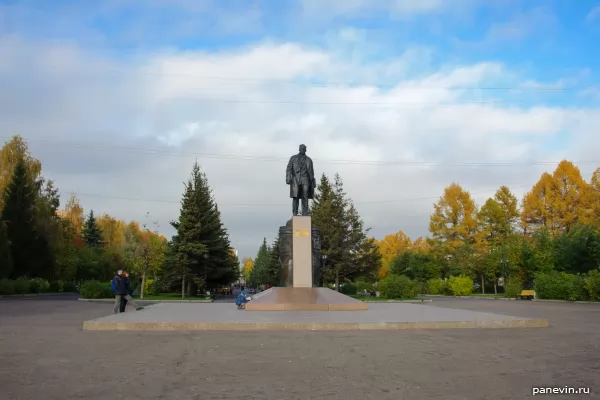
362, 80
548, 40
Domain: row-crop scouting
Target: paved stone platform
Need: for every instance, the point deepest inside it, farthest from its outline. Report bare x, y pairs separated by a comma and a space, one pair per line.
304, 299
226, 317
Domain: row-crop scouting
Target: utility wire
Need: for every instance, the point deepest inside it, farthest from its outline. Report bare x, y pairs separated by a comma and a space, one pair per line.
303, 82
285, 160
275, 204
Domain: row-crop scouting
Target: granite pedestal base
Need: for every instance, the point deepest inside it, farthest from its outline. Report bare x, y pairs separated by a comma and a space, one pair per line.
304, 299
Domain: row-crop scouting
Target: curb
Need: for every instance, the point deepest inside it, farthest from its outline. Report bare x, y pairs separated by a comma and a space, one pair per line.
8, 296
513, 299
398, 301
146, 301
566, 301
309, 326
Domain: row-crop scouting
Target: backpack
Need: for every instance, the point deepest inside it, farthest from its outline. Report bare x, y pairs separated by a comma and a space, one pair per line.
112, 286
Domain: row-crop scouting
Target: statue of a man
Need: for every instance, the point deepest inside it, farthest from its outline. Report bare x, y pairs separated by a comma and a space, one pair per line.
301, 178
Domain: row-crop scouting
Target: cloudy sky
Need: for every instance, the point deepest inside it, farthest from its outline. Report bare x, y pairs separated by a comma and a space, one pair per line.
401, 97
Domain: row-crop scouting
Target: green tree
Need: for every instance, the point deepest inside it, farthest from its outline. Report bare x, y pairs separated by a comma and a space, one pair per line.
6, 266
221, 265
30, 252
186, 251
350, 253
92, 235
274, 266
260, 273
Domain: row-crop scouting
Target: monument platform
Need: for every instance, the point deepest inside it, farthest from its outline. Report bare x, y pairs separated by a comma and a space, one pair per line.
187, 317
304, 299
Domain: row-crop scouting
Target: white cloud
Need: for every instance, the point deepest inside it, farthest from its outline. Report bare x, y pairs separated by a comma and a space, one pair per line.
593, 15
191, 105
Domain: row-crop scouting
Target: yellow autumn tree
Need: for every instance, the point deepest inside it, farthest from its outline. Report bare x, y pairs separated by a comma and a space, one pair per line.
14, 150
248, 265
594, 198
113, 234
454, 219
558, 201
390, 247
498, 217
420, 245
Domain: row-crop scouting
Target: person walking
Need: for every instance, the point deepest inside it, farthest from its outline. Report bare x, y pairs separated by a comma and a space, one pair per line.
129, 291
121, 292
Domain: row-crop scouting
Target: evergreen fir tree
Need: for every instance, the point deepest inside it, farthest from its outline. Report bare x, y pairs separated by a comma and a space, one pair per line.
92, 235
350, 253
259, 274
186, 251
6, 266
29, 251
221, 266
274, 267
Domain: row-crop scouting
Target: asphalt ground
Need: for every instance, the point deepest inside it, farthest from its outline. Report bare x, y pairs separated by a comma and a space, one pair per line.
44, 354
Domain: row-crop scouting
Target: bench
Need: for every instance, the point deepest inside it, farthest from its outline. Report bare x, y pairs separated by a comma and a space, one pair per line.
526, 295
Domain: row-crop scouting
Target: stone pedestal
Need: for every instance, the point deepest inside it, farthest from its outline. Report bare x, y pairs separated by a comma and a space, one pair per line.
302, 252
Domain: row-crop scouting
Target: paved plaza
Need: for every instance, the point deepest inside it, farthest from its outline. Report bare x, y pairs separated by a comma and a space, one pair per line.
45, 354
390, 316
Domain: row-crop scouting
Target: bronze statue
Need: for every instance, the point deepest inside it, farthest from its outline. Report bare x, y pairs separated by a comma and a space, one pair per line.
301, 178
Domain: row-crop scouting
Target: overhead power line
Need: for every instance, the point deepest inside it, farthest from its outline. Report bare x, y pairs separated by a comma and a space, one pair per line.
274, 204
285, 160
303, 81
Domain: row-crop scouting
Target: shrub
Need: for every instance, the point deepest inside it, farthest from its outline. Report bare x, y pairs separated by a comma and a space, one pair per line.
559, 286
435, 286
362, 285
512, 289
70, 287
7, 287
349, 288
592, 285
95, 290
38, 285
397, 287
150, 288
460, 285
22, 286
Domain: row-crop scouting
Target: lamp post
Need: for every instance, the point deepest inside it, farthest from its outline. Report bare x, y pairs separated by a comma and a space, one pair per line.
205, 256
324, 261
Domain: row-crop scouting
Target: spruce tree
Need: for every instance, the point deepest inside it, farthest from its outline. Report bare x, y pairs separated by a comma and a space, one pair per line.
220, 266
186, 250
29, 251
350, 253
259, 274
92, 235
6, 265
274, 267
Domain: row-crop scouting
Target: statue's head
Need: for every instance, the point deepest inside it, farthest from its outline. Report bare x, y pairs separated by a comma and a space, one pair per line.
302, 149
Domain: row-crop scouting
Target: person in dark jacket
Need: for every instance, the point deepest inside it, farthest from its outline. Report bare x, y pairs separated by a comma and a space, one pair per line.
122, 292
129, 291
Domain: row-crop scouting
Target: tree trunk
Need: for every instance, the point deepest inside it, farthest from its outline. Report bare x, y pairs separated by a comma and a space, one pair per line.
192, 289
143, 284
482, 284
337, 280
496, 286
183, 286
